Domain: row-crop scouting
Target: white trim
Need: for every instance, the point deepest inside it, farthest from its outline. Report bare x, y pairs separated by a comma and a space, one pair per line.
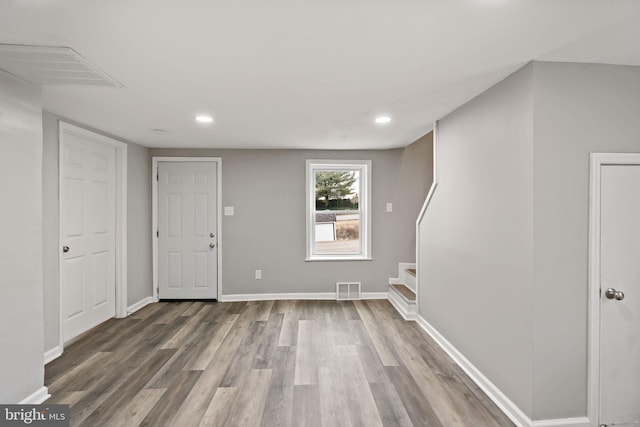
52, 354
374, 295
37, 397
154, 213
491, 390
140, 304
593, 378
365, 168
423, 210
296, 296
121, 216
401, 306
563, 422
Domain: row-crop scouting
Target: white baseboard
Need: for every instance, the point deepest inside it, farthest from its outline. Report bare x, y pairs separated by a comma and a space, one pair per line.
52, 354
37, 397
295, 296
375, 295
563, 422
503, 402
400, 307
137, 306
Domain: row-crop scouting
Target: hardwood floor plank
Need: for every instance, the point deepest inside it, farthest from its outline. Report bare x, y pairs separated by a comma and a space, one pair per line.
137, 409
414, 401
390, 407
108, 409
334, 408
264, 310
206, 354
269, 342
306, 367
289, 331
244, 356
164, 411
248, 407
218, 411
274, 363
362, 407
189, 327
279, 404
306, 406
380, 341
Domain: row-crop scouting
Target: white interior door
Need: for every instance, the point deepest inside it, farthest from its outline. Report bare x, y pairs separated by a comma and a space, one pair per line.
87, 230
620, 307
187, 226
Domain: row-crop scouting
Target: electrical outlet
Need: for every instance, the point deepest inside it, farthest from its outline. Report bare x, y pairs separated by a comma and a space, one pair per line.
258, 274
228, 211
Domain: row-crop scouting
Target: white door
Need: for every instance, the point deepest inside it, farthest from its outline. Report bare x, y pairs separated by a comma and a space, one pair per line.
87, 230
620, 306
187, 226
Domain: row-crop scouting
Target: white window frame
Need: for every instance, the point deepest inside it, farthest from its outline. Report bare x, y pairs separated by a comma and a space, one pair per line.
364, 169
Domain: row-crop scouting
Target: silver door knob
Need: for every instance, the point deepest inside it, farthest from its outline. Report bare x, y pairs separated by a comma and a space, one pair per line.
212, 245
65, 249
612, 293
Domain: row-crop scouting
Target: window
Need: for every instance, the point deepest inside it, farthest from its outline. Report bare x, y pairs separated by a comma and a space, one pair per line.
338, 225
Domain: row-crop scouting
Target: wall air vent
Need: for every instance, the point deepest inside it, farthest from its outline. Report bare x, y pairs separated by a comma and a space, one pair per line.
347, 290
45, 66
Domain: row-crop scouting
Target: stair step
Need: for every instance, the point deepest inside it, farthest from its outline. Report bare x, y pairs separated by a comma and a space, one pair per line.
405, 291
411, 271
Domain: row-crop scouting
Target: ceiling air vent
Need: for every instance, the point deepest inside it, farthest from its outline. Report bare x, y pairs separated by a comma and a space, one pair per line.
45, 66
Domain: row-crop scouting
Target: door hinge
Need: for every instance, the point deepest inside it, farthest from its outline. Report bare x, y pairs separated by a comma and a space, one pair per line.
158, 177
158, 233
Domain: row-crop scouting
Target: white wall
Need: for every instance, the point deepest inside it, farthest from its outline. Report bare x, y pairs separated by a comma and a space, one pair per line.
21, 323
267, 189
476, 275
138, 224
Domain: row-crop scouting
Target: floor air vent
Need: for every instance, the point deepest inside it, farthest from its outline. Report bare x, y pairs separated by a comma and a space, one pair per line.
347, 290
46, 65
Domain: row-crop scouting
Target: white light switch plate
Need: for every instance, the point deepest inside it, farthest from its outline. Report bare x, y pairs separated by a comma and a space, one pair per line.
258, 274
228, 211
389, 207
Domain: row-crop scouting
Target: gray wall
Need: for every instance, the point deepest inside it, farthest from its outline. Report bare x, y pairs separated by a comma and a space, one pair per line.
578, 109
504, 244
267, 189
21, 327
139, 278
138, 221
476, 238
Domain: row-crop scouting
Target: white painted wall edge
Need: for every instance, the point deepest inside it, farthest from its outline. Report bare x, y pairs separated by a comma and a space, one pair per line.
573, 422
509, 408
296, 296
138, 305
37, 397
400, 307
52, 354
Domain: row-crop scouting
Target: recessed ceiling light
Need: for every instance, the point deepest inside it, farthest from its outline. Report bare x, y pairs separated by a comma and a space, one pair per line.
381, 120
201, 118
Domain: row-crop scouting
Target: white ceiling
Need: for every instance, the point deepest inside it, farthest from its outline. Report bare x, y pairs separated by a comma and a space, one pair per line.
305, 73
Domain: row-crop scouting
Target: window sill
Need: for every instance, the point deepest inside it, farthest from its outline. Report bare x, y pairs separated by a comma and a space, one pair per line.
338, 258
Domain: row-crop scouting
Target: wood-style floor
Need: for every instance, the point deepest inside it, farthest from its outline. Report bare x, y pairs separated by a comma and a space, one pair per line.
282, 363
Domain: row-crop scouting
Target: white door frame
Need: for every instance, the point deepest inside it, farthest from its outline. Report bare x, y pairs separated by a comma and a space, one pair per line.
121, 215
154, 213
597, 161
